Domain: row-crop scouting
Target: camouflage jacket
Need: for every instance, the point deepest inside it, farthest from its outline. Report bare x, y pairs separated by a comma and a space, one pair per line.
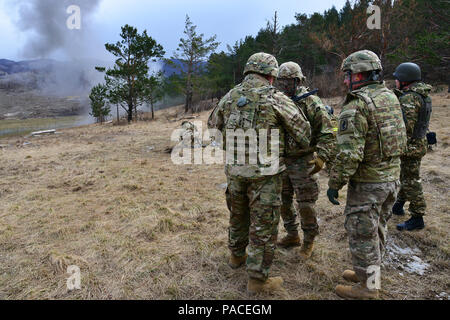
371, 137
322, 138
411, 103
255, 104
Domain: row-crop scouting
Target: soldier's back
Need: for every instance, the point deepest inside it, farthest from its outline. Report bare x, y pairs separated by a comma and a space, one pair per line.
416, 105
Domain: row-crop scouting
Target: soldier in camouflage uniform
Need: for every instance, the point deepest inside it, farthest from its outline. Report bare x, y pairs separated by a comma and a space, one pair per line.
254, 193
416, 105
191, 136
300, 175
371, 138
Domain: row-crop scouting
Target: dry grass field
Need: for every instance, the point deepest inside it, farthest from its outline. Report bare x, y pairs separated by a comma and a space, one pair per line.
109, 200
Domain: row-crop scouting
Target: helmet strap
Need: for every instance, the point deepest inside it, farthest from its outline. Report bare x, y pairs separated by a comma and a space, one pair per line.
295, 84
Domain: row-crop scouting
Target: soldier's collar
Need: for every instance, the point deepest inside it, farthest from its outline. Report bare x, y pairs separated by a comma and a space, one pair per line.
366, 86
256, 79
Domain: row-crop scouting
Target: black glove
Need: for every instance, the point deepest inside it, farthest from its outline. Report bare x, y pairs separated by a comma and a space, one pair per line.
332, 195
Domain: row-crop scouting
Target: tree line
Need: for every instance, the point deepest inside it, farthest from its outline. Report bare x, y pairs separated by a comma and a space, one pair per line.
411, 30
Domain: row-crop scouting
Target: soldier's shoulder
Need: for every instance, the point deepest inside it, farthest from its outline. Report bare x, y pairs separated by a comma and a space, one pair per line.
353, 100
282, 104
268, 90
230, 95
315, 100
422, 88
352, 104
315, 105
280, 97
410, 98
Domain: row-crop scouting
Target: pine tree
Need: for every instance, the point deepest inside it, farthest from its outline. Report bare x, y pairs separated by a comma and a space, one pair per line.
126, 80
100, 109
192, 52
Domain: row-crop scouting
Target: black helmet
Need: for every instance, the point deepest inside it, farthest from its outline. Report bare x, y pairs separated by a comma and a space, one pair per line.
408, 72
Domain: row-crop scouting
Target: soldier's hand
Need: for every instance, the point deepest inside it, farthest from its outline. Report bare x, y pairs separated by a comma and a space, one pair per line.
332, 195
318, 165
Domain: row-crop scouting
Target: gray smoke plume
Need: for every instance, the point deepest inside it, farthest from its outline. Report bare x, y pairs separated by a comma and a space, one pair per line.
45, 21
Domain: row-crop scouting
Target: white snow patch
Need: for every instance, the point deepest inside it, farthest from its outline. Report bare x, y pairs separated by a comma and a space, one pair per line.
416, 266
443, 295
406, 258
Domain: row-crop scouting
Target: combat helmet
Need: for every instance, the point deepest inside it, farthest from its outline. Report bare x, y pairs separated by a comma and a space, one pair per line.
362, 61
408, 72
291, 70
262, 63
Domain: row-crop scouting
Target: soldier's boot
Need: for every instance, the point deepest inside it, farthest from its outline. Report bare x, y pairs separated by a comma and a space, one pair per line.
351, 276
290, 240
271, 285
308, 245
415, 223
235, 261
358, 291
397, 209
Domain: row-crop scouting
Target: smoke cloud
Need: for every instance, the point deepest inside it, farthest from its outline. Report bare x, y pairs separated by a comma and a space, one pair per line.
45, 22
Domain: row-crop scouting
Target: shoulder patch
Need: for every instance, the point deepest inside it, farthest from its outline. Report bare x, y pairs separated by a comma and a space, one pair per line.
242, 102
343, 125
346, 120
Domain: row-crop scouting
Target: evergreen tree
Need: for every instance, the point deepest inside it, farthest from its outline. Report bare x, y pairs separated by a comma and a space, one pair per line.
100, 108
192, 52
126, 80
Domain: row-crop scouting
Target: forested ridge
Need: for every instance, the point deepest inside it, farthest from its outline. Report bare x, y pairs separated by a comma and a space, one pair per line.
411, 30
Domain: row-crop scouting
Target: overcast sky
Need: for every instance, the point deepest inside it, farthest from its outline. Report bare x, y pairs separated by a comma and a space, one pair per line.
164, 20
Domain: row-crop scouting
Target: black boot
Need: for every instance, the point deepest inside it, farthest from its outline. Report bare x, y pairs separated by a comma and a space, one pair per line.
397, 209
415, 223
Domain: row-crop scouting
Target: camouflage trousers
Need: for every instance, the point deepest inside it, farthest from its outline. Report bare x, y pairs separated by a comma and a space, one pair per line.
306, 188
411, 186
368, 210
254, 206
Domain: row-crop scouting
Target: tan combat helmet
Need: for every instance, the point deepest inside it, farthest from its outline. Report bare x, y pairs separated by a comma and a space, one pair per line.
262, 63
291, 70
362, 61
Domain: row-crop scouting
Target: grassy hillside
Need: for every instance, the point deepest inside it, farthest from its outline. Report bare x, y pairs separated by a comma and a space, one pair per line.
108, 199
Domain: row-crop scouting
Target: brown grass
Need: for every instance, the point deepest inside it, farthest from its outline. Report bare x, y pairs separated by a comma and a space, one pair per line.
140, 227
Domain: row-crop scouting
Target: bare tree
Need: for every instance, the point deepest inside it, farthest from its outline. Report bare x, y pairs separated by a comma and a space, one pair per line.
274, 32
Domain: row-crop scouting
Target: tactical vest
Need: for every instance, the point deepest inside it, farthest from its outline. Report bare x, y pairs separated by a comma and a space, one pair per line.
388, 120
423, 121
247, 110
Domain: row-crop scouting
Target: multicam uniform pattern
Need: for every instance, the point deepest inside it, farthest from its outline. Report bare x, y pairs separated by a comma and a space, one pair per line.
254, 199
296, 178
411, 101
371, 138
191, 136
